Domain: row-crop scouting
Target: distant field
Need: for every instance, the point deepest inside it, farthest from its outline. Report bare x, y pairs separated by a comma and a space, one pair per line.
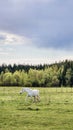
53, 112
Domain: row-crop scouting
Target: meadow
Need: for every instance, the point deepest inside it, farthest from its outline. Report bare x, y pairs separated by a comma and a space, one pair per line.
53, 112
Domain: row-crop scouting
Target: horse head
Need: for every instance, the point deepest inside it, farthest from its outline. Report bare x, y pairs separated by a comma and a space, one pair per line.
22, 91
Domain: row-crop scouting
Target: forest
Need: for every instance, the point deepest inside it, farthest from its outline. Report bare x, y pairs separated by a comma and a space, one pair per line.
47, 75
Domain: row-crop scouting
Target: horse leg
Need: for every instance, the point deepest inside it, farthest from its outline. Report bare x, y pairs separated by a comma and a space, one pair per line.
38, 98
34, 98
31, 98
26, 98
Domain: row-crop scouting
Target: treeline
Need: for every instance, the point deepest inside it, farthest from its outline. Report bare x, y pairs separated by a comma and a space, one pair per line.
54, 75
13, 68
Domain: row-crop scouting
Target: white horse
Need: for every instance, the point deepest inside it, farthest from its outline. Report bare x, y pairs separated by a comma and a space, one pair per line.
31, 93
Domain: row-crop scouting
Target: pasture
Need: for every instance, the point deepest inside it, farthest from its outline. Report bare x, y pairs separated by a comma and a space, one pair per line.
53, 112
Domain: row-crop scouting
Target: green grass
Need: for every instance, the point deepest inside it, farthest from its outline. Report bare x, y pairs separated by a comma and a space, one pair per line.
53, 112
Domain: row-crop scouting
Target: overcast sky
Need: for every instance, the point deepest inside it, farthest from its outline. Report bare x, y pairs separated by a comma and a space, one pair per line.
36, 31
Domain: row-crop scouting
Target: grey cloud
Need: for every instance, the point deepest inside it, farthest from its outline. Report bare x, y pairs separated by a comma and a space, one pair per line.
2, 37
48, 22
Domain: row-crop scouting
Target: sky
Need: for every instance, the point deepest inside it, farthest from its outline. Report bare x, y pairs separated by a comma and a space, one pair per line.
36, 31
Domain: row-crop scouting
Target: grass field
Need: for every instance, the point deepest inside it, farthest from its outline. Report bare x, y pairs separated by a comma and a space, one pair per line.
53, 112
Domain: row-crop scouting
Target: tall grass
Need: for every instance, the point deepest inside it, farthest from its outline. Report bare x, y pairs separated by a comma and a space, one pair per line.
53, 112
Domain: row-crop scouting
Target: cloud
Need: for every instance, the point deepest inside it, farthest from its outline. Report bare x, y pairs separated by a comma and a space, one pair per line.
13, 39
49, 23
49, 56
4, 53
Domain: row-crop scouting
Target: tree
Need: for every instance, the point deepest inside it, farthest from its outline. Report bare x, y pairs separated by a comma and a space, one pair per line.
23, 78
71, 79
33, 77
55, 81
68, 77
7, 78
17, 77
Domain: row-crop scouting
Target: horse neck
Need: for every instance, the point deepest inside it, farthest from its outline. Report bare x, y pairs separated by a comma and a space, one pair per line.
28, 90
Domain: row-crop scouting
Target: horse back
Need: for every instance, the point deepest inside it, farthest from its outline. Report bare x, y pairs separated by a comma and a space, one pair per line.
35, 92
